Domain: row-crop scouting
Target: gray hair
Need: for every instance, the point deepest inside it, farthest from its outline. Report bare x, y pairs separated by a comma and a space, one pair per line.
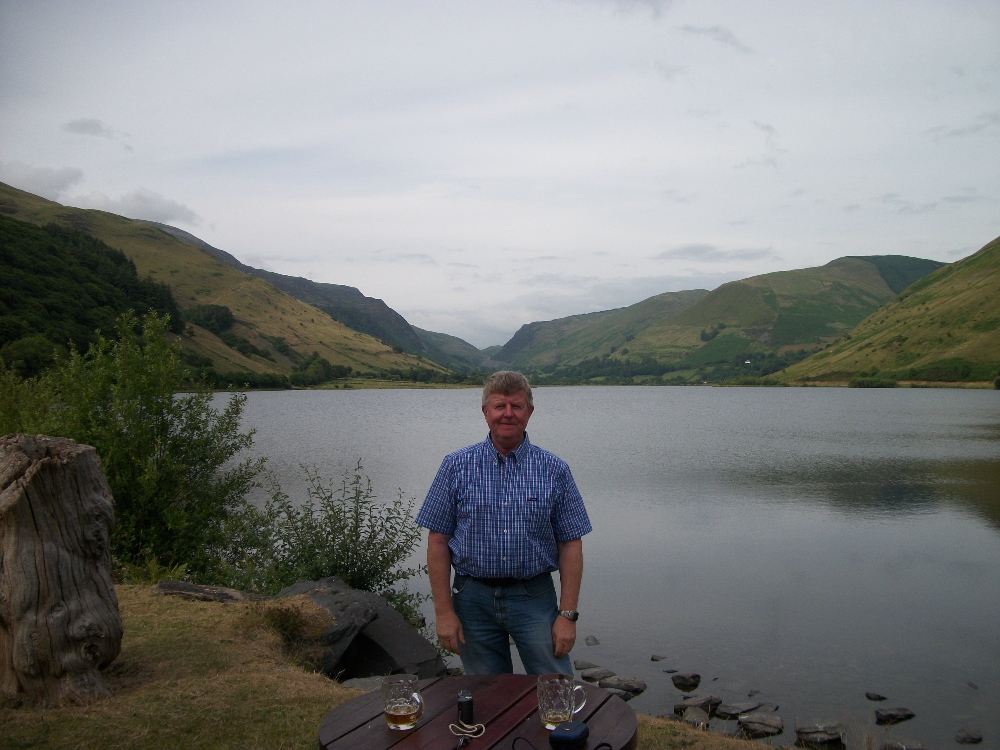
506, 383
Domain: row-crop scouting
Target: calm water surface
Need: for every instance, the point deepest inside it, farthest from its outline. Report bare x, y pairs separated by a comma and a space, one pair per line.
811, 544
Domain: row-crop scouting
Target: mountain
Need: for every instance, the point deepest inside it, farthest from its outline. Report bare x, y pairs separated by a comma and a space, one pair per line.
58, 286
943, 328
782, 311
572, 339
459, 354
274, 330
347, 305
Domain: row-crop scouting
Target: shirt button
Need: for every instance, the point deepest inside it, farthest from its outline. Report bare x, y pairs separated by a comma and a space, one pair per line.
506, 503
505, 531
505, 559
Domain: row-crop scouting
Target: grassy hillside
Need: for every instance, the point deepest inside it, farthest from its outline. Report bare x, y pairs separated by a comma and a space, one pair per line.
944, 328
570, 340
268, 318
58, 287
459, 354
347, 305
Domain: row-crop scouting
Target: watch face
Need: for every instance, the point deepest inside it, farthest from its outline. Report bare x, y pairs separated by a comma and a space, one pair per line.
569, 615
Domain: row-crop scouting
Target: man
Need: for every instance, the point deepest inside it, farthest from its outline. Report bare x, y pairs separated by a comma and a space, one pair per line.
505, 514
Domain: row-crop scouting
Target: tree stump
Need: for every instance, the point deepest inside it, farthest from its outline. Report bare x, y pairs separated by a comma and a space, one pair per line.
59, 622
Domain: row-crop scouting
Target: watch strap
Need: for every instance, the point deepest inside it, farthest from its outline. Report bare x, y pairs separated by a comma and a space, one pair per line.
570, 614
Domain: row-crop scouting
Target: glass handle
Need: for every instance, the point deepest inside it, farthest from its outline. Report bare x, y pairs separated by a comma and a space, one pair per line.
584, 694
420, 704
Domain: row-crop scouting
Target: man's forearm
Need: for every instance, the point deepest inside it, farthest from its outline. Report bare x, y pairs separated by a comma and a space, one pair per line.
570, 573
439, 571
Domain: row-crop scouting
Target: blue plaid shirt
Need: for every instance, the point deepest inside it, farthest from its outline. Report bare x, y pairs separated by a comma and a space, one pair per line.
504, 514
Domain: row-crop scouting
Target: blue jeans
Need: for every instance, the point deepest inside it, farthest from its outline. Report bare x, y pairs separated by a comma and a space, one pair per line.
524, 612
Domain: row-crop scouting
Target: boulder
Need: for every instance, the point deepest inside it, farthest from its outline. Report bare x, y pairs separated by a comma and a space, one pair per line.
696, 718
657, 657
767, 708
903, 745
629, 684
874, 696
969, 736
733, 710
686, 681
591, 641
581, 664
707, 703
820, 734
670, 671
370, 637
760, 725
892, 715
595, 674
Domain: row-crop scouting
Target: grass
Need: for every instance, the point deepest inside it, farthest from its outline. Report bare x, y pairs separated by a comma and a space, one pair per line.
210, 675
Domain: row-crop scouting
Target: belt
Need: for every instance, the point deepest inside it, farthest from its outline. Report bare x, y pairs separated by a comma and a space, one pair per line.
500, 582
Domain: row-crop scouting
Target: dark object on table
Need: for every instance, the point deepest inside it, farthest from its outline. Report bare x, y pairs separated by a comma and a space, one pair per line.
466, 714
893, 715
968, 736
570, 735
874, 696
686, 681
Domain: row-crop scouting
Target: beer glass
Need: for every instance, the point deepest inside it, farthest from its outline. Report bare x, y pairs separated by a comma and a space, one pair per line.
401, 700
557, 696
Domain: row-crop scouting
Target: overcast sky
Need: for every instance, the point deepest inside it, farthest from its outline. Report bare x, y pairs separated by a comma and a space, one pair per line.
479, 165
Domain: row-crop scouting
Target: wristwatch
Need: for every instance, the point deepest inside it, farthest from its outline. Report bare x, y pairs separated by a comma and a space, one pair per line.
570, 614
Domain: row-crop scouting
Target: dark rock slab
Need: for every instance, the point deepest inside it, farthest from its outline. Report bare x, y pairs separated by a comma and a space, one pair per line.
370, 637
594, 674
973, 685
733, 710
892, 715
821, 734
686, 681
618, 682
969, 736
206, 593
581, 664
657, 657
874, 696
696, 718
670, 671
707, 703
752, 693
760, 725
767, 708
904, 745
591, 641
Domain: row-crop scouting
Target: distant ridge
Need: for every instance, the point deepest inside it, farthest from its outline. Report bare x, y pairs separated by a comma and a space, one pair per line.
347, 305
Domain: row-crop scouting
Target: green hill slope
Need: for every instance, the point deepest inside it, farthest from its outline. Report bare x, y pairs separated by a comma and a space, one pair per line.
458, 354
347, 305
569, 340
943, 328
781, 311
58, 287
279, 326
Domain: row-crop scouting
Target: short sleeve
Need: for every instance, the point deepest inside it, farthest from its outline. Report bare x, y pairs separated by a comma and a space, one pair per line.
569, 516
438, 511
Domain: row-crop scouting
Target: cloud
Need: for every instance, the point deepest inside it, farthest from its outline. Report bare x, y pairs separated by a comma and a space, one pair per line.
719, 34
141, 204
979, 124
668, 72
904, 206
712, 254
969, 195
43, 181
90, 126
853, 207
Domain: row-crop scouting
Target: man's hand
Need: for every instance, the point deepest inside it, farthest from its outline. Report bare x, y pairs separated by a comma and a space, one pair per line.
563, 636
449, 631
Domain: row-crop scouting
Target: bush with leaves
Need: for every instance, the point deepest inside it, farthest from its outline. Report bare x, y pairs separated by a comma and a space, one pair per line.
167, 457
344, 532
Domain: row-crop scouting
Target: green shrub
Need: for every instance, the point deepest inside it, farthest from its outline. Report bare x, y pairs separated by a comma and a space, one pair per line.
862, 381
168, 459
214, 318
344, 532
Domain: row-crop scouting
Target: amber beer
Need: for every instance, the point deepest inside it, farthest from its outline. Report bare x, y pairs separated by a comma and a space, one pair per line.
401, 701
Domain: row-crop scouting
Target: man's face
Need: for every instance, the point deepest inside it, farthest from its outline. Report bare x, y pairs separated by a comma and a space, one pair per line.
507, 416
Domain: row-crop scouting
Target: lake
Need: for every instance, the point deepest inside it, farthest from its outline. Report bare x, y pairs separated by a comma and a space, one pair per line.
807, 543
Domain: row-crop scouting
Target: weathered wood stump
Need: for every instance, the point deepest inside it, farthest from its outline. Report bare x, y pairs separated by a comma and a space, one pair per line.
59, 622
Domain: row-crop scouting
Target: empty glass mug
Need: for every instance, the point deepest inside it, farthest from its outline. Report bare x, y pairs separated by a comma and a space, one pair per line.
557, 696
401, 700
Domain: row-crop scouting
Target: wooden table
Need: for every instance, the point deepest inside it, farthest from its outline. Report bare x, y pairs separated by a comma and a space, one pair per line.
505, 703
